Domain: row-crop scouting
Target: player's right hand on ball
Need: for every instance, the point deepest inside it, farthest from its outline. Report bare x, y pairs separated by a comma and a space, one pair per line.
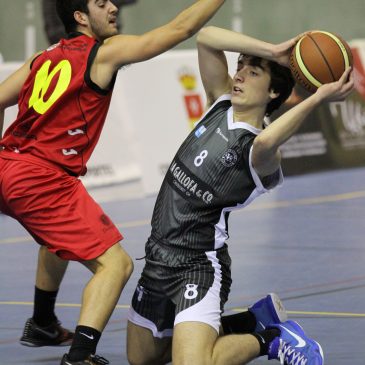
338, 90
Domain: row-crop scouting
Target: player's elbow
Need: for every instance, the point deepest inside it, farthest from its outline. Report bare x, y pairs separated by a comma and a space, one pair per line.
202, 35
205, 34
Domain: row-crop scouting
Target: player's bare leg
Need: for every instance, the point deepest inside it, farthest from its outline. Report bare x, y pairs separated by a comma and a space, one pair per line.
111, 272
196, 343
145, 349
50, 270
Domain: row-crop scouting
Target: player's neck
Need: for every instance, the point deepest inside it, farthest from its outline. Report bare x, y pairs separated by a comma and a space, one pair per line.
249, 116
87, 32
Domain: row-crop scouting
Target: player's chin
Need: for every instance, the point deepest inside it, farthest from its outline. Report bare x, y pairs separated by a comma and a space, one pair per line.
237, 99
113, 30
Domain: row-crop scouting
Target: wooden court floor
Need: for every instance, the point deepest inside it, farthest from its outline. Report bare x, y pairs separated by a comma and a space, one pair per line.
305, 241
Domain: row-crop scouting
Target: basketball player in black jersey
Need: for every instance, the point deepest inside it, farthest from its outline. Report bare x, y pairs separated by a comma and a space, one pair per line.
226, 161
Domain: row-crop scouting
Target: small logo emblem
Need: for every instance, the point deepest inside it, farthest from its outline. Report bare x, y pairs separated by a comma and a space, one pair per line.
301, 341
53, 335
229, 158
105, 220
200, 131
91, 337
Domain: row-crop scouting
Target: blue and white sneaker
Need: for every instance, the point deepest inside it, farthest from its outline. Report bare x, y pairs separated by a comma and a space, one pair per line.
293, 347
269, 310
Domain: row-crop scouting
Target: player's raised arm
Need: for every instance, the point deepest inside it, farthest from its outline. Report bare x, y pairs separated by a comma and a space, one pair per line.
125, 49
213, 65
265, 155
213, 41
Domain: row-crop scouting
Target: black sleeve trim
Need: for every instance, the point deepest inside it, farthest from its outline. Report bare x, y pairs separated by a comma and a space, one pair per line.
88, 80
33, 60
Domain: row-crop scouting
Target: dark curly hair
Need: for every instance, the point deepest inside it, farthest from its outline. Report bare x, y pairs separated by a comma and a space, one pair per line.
66, 10
282, 81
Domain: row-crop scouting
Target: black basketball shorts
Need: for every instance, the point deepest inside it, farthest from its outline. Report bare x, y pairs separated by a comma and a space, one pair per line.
181, 285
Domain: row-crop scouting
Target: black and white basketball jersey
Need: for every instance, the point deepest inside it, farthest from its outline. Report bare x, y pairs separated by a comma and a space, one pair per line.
210, 175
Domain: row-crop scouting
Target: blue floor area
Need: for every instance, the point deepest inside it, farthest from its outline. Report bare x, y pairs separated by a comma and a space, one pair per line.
304, 241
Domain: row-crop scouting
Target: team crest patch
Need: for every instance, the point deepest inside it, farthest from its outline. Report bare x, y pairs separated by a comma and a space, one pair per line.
229, 158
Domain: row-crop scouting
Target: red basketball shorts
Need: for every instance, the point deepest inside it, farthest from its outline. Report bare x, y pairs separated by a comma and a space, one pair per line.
55, 209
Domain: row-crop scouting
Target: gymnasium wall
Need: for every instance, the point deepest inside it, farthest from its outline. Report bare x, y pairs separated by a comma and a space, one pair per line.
147, 121
145, 128
271, 20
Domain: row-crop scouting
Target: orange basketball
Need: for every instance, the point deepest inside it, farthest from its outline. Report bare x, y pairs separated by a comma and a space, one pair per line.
319, 58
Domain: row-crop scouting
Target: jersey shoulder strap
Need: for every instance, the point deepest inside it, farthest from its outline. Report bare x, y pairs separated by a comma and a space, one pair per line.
223, 103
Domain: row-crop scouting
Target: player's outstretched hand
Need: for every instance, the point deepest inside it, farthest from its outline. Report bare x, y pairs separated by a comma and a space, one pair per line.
338, 90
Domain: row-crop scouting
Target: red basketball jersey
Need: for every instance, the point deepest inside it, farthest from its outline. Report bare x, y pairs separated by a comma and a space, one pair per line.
61, 111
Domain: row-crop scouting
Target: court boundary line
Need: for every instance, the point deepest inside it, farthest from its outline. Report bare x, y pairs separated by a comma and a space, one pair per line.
261, 206
125, 306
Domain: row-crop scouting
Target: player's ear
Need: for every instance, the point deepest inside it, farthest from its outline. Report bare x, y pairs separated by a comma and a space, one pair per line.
80, 17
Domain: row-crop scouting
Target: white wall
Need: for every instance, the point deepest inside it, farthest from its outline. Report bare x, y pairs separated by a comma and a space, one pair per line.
149, 117
147, 120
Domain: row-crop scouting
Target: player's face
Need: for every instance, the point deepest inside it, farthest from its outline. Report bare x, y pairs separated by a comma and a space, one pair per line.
251, 84
103, 18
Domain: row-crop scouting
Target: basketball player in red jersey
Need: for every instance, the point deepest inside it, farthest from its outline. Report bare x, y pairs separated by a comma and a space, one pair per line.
63, 95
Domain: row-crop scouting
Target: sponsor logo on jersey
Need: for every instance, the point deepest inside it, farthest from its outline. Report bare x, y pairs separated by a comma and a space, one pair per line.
188, 185
139, 292
229, 158
105, 220
24, 135
200, 131
218, 131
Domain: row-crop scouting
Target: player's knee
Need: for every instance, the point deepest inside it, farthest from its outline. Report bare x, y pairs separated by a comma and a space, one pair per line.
132, 360
151, 353
127, 265
116, 260
138, 359
121, 262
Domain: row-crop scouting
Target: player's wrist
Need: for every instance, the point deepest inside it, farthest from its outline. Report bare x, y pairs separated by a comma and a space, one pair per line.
317, 98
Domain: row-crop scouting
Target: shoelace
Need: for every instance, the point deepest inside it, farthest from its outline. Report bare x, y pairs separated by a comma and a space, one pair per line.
288, 356
98, 360
28, 327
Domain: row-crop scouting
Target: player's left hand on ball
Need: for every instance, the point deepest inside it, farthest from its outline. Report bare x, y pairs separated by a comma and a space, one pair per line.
282, 51
338, 90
